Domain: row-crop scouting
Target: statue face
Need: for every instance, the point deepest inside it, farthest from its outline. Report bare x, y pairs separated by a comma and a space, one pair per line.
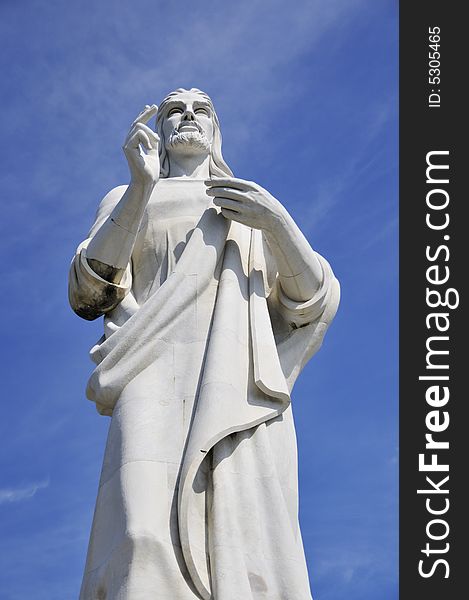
188, 125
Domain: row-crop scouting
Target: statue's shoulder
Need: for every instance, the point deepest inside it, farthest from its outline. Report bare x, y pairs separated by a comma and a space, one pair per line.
106, 206
112, 198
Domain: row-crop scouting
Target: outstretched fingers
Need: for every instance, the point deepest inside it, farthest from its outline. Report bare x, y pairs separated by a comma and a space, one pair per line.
231, 182
233, 215
231, 205
146, 114
226, 192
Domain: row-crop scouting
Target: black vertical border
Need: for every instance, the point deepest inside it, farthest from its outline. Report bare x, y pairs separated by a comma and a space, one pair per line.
423, 129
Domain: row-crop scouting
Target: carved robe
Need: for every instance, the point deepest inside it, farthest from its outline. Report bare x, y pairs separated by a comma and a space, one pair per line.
198, 495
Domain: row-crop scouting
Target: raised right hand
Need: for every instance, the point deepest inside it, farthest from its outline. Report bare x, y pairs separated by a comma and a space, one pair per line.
141, 149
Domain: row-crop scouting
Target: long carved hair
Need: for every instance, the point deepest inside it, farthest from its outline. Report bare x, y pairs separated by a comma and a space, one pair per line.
217, 166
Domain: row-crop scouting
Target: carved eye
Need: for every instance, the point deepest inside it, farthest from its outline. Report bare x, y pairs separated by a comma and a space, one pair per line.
175, 111
201, 111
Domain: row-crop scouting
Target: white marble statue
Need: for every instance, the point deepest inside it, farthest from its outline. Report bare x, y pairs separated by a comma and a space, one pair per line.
213, 301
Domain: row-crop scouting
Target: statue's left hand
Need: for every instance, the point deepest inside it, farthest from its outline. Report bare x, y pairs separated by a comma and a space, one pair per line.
246, 202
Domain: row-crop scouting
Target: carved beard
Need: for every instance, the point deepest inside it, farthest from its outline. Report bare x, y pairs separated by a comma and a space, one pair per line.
189, 142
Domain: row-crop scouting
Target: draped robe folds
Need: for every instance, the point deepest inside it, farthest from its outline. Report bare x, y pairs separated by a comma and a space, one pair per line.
198, 492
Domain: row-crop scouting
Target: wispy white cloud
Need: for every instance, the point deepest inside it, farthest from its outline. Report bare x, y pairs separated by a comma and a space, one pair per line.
45, 560
22, 493
354, 169
345, 566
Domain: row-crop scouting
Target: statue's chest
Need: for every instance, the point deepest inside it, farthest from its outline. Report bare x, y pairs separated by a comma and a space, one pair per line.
169, 220
172, 199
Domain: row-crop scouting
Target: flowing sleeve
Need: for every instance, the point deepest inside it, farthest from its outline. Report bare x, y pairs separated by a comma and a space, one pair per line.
321, 307
90, 295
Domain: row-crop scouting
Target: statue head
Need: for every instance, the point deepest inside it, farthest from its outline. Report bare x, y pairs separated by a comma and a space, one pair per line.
187, 123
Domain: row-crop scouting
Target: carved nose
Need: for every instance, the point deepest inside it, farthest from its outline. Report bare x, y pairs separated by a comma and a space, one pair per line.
188, 116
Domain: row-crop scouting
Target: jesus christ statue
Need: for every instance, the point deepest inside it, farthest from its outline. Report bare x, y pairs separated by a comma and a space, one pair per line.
213, 301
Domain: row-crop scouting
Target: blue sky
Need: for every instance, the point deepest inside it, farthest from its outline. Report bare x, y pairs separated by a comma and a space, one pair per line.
306, 93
